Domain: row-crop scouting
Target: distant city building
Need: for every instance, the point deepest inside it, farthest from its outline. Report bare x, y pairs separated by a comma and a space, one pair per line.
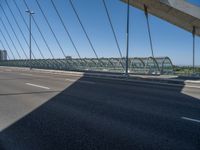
3, 55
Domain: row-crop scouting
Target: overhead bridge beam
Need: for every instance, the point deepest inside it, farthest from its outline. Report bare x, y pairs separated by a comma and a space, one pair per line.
177, 12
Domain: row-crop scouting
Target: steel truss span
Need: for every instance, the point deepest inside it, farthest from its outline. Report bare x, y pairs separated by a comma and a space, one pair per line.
137, 65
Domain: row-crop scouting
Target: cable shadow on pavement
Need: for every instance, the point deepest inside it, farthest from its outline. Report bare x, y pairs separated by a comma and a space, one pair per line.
96, 113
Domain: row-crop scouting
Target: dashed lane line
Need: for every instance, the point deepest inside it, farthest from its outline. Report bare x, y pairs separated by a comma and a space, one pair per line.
190, 119
39, 86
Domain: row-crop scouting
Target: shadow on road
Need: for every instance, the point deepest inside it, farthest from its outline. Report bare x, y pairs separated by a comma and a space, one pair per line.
108, 114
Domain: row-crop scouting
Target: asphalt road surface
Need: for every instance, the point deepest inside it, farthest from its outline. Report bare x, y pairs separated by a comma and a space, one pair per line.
40, 111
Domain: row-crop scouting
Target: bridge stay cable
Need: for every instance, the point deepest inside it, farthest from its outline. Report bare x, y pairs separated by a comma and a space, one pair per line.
54, 35
113, 31
85, 32
7, 18
39, 30
149, 29
4, 48
7, 44
9, 36
28, 29
16, 22
149, 34
66, 30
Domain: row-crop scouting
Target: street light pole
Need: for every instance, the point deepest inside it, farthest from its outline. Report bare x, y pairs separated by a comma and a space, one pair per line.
30, 34
127, 39
193, 36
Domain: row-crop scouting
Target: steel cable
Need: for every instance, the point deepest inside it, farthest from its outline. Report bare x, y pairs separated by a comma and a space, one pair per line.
113, 30
18, 26
149, 30
13, 30
7, 44
83, 28
4, 49
5, 28
51, 28
28, 29
39, 31
66, 30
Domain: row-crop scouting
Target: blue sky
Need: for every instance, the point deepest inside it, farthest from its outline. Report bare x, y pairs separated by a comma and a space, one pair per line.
168, 40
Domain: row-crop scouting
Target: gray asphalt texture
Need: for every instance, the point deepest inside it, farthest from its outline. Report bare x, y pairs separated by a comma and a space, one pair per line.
86, 113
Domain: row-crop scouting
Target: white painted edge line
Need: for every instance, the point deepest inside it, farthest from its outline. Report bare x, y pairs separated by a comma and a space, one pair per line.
190, 119
192, 81
190, 86
82, 81
39, 86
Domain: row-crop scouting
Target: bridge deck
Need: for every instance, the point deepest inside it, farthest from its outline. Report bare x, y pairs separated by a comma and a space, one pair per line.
177, 12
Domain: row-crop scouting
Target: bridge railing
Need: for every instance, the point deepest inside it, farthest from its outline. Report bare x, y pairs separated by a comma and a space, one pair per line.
136, 65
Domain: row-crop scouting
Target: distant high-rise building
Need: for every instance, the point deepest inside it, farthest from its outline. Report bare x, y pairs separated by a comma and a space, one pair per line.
3, 55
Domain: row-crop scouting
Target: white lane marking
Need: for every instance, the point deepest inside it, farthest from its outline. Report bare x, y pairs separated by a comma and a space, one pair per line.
82, 81
192, 81
39, 86
8, 70
26, 74
190, 119
189, 86
72, 80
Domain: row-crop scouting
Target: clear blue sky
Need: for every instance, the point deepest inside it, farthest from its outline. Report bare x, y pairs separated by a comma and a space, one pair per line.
168, 39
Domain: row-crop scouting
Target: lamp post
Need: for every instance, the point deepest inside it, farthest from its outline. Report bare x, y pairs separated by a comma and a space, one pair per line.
193, 36
30, 17
127, 39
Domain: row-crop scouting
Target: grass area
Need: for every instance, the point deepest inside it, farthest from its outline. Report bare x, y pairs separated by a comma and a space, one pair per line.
186, 70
